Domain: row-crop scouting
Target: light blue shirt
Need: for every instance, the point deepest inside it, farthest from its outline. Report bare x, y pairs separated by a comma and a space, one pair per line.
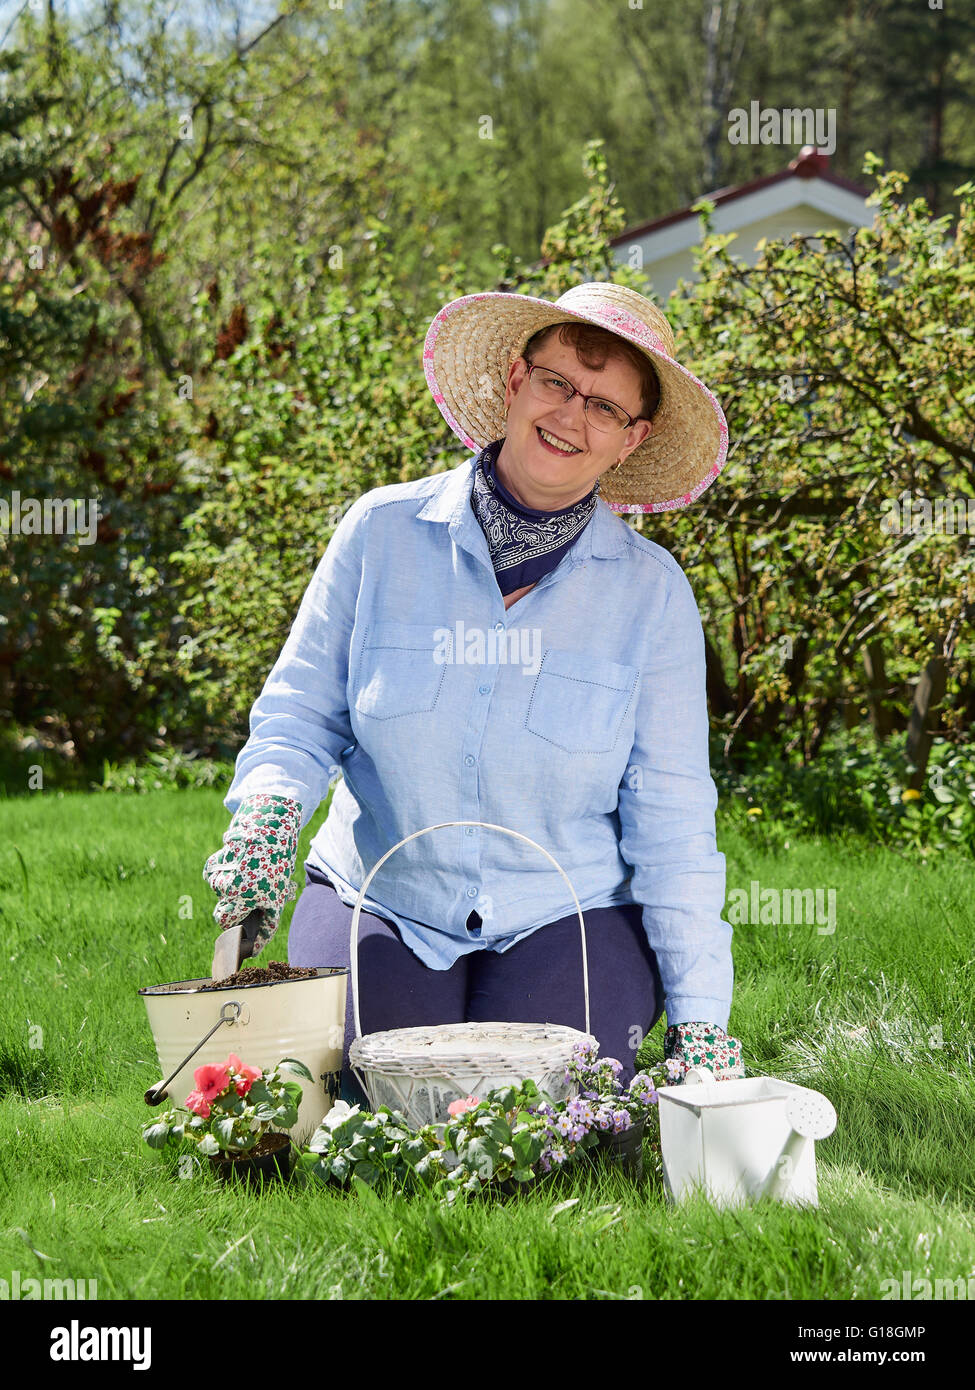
577, 717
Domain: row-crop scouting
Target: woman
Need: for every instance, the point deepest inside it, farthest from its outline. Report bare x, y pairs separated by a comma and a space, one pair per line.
495, 644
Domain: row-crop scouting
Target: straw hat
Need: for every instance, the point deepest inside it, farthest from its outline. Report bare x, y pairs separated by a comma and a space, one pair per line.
472, 342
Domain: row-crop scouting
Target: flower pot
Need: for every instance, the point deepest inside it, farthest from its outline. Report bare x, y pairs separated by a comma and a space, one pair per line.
283, 1018
625, 1149
268, 1161
511, 1187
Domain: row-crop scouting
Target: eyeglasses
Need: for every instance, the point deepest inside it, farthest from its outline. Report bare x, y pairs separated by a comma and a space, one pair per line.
604, 415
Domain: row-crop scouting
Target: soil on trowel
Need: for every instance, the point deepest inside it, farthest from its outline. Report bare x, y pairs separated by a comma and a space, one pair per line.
263, 975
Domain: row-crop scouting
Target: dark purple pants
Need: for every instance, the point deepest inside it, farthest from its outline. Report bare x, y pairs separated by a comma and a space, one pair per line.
539, 980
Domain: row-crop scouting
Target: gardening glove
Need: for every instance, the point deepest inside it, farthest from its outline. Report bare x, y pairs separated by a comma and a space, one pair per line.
252, 873
701, 1044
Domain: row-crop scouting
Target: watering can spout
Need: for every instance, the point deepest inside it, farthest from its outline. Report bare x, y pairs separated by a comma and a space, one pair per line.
810, 1113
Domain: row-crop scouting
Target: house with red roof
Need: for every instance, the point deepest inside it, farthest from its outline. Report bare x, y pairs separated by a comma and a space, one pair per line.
806, 197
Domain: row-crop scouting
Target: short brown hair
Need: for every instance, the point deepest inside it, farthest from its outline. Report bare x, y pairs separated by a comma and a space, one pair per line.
593, 347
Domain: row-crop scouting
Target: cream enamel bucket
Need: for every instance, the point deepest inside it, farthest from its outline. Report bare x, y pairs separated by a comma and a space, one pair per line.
261, 1023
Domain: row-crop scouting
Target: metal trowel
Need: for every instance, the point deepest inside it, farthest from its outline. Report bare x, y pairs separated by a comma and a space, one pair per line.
234, 944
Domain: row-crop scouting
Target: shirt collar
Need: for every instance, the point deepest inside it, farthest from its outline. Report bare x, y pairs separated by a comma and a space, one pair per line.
451, 504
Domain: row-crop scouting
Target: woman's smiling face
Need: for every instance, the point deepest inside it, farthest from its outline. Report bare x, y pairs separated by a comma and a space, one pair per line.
541, 474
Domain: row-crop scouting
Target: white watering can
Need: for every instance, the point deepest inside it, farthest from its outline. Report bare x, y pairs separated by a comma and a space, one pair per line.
741, 1139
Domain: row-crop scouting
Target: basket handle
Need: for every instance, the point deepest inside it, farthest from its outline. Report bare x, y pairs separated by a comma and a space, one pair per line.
354, 938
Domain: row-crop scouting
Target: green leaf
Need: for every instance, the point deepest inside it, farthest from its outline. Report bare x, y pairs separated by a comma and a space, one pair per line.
497, 1128
224, 1131
286, 1116
157, 1135
259, 1094
481, 1155
291, 1064
523, 1148
413, 1150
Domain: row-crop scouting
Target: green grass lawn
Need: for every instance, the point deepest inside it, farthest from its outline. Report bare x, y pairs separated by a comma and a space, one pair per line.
878, 1015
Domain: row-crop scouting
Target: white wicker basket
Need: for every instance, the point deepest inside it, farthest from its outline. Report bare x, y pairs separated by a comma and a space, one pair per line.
421, 1070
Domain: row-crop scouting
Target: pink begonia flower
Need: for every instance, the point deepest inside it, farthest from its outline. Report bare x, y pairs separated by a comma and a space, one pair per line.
457, 1107
211, 1081
244, 1076
198, 1105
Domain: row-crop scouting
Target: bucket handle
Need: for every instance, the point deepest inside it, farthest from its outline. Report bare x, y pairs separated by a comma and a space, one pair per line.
157, 1094
354, 937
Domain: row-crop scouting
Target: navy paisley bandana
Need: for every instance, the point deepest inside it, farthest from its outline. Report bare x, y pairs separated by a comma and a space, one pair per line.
524, 544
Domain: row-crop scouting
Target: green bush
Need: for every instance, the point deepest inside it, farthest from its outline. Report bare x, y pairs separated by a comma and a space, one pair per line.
856, 784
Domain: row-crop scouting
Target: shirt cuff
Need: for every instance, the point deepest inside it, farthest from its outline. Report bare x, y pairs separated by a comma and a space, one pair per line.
689, 1008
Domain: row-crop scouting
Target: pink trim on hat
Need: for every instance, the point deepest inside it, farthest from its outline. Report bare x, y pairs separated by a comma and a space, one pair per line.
628, 323
677, 503
428, 372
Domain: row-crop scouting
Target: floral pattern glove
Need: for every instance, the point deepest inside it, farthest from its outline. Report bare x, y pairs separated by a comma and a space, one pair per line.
701, 1044
253, 870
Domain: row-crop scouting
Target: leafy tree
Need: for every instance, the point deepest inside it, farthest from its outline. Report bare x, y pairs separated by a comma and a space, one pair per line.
845, 369
85, 607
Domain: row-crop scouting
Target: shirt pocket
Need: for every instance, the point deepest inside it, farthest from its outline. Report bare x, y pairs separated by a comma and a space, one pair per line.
399, 669
579, 702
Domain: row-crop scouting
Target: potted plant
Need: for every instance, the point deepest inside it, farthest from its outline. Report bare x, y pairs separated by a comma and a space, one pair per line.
375, 1147
237, 1116
499, 1143
617, 1115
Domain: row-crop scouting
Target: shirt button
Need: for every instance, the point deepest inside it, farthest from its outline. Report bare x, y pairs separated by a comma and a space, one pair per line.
472, 892
484, 689
499, 627
469, 830
469, 760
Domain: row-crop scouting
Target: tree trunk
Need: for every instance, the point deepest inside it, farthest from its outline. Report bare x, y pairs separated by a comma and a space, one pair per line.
720, 699
825, 716
873, 661
928, 694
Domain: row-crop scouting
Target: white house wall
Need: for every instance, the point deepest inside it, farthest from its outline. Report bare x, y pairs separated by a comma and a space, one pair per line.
776, 213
